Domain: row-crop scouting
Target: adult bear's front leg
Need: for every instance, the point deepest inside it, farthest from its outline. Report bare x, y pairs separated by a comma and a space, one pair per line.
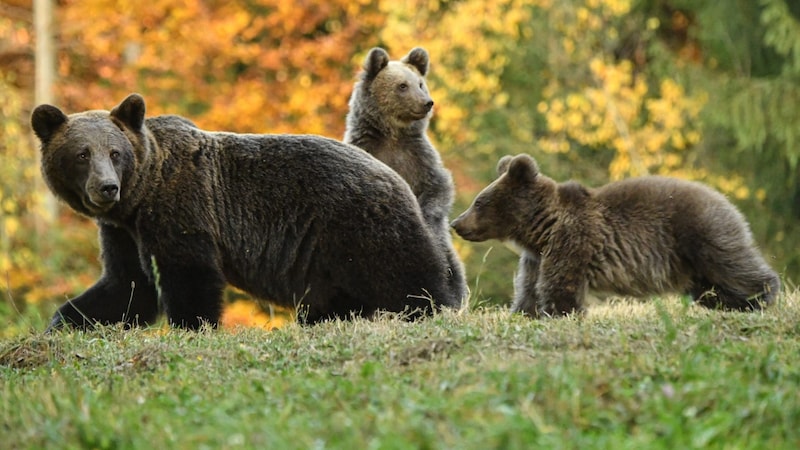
122, 294
189, 280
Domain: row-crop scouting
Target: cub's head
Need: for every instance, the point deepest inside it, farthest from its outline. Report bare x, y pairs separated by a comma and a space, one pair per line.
396, 89
504, 208
88, 157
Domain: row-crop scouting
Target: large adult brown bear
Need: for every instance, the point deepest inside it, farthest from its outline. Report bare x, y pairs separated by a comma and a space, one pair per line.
635, 237
304, 221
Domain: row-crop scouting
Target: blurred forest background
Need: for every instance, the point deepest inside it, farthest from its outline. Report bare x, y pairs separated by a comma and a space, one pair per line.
596, 90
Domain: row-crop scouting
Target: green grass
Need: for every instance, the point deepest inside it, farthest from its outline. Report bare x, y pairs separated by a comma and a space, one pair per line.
651, 375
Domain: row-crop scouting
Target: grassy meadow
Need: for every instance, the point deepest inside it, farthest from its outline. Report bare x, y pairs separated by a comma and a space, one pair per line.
627, 375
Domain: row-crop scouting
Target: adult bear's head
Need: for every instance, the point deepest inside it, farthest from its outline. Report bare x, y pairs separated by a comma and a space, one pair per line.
89, 158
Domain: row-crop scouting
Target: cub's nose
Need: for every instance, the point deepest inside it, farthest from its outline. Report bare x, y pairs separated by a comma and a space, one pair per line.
429, 105
109, 191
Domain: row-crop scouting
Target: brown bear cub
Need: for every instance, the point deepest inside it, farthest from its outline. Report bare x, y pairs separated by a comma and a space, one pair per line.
389, 113
637, 237
301, 220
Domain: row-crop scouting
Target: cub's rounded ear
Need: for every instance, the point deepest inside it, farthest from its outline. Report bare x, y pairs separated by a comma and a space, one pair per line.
130, 112
502, 165
46, 120
418, 57
522, 168
376, 60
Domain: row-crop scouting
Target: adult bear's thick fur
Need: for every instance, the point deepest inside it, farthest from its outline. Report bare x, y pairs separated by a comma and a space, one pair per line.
299, 220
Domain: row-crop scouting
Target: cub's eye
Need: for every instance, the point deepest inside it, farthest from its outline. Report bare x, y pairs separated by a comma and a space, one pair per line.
420, 86
402, 86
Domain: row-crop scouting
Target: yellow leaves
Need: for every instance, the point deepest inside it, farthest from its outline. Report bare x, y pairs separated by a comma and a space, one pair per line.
5, 263
620, 164
556, 123
542, 107
568, 45
10, 226
578, 102
614, 77
588, 19
16, 156
671, 91
741, 193
677, 141
616, 8
614, 108
573, 119
450, 115
582, 15
598, 67
468, 58
731, 185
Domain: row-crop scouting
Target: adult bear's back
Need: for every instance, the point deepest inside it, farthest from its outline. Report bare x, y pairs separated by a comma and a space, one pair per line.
312, 208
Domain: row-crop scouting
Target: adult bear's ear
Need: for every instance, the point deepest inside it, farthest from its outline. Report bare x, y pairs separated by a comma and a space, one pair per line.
130, 112
376, 60
418, 57
522, 168
46, 120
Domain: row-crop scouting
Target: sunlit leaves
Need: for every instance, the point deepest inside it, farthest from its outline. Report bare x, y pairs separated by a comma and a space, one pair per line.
468, 42
611, 104
262, 66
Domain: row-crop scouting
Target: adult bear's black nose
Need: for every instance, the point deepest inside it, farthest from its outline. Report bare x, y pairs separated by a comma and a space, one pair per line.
109, 191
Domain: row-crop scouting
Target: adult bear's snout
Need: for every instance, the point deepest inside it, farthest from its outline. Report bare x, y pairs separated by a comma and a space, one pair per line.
103, 193
110, 192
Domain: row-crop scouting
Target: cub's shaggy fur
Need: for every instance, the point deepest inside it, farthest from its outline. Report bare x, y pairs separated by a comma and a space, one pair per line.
635, 237
389, 113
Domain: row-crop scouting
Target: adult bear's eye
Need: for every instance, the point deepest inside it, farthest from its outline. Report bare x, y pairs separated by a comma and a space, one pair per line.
83, 155
114, 154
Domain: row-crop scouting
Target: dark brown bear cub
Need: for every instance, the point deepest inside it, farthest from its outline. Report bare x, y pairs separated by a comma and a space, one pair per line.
637, 237
304, 221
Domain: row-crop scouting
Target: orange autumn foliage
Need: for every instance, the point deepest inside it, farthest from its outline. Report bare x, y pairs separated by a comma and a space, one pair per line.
260, 66
248, 313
